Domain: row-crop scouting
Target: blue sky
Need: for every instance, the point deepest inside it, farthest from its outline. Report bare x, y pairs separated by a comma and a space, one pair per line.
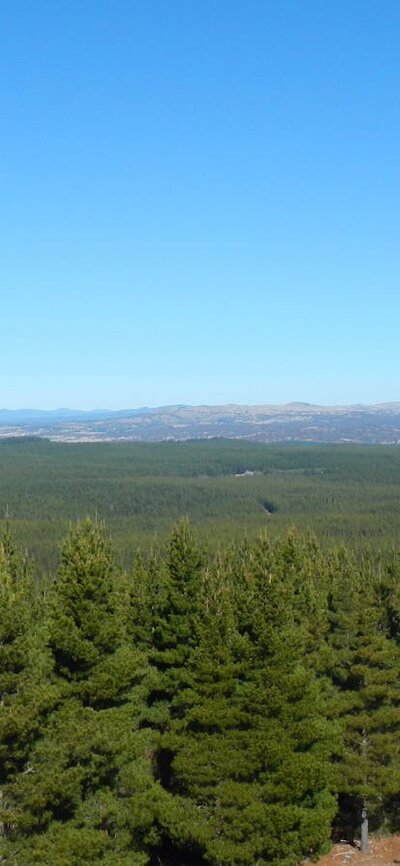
199, 202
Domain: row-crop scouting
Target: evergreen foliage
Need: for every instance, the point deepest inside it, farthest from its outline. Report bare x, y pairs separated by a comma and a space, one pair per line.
25, 696
250, 748
175, 617
89, 794
196, 709
365, 670
347, 493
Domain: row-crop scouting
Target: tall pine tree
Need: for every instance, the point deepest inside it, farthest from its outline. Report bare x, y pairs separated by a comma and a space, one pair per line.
25, 695
365, 672
89, 797
250, 749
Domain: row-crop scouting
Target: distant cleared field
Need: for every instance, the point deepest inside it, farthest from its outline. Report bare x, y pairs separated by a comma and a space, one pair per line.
228, 489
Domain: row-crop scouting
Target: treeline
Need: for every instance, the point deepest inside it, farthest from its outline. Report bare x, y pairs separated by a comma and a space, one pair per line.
230, 711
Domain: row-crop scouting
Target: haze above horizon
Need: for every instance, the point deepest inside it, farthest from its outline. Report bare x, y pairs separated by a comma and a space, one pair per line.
199, 202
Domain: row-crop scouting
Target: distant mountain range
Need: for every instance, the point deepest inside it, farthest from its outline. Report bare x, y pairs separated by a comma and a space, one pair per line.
293, 422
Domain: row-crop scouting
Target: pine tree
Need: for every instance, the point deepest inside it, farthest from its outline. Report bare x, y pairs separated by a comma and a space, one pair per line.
250, 750
365, 671
174, 619
139, 599
176, 585
90, 796
25, 696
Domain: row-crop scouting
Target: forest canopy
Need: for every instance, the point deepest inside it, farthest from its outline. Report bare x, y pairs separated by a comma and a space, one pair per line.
229, 490
225, 708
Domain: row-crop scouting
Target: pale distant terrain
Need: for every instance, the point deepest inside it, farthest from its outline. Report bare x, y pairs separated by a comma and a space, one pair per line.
293, 422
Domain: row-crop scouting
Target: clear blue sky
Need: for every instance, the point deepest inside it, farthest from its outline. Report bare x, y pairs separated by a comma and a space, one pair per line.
200, 201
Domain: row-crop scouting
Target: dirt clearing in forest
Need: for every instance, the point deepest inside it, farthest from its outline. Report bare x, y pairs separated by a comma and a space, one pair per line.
382, 852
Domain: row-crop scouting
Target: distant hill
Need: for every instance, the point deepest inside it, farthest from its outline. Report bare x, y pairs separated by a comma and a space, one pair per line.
293, 422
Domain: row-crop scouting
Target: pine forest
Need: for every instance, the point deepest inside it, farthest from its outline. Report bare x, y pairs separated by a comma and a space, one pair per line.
215, 699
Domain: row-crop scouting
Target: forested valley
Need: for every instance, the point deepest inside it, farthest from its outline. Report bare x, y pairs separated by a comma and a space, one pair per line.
213, 702
229, 489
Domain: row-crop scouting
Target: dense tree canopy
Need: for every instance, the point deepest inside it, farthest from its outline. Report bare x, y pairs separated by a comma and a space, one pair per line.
196, 709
